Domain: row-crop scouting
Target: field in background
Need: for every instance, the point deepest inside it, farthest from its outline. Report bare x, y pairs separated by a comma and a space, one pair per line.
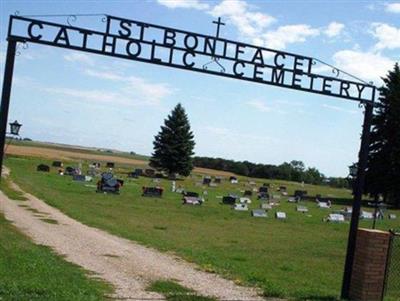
301, 257
32, 272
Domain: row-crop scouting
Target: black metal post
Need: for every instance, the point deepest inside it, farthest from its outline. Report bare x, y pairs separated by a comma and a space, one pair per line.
5, 96
358, 192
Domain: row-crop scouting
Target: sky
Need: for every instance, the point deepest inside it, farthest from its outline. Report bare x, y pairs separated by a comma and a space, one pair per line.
72, 97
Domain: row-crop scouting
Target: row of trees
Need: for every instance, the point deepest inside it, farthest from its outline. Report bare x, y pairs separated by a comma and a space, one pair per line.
292, 171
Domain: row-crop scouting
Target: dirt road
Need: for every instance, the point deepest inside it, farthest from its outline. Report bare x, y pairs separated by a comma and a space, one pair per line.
128, 266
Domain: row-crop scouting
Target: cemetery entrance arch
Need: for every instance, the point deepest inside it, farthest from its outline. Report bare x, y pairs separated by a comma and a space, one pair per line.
171, 47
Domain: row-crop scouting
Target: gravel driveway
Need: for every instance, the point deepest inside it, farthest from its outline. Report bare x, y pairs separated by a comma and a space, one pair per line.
128, 266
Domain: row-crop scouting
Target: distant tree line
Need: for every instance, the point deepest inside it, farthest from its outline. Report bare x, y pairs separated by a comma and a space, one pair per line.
292, 171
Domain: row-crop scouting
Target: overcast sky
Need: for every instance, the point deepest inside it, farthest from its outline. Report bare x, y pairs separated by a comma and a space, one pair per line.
71, 97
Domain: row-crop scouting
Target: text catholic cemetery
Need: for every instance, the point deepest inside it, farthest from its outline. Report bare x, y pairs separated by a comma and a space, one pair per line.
161, 45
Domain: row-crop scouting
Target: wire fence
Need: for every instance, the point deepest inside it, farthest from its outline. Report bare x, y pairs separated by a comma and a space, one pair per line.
392, 291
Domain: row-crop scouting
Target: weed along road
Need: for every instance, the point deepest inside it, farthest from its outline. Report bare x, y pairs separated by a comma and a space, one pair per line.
128, 266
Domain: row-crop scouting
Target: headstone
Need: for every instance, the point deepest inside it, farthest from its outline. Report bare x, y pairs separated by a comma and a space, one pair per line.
207, 180
138, 172
300, 194
336, 218
367, 215
110, 164
302, 209
259, 213
213, 185
43, 167
392, 216
240, 207
79, 178
266, 206
173, 186
152, 191
108, 183
323, 205
192, 200
234, 181
229, 200
149, 172
248, 193
292, 200
245, 201
252, 183
282, 188
280, 215
217, 180
57, 164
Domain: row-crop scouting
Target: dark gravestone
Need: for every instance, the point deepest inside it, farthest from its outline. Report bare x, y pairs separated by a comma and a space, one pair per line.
191, 194
206, 180
149, 172
43, 167
232, 178
57, 164
299, 194
138, 172
248, 193
263, 193
229, 200
80, 178
159, 175
282, 188
69, 171
152, 191
132, 175
263, 189
217, 180
110, 165
108, 183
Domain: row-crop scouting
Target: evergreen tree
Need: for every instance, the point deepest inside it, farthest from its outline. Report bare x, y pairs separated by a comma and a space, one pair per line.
173, 145
383, 174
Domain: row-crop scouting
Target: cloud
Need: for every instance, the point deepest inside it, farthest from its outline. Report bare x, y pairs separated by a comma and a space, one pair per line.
388, 36
196, 4
77, 57
289, 34
152, 93
259, 105
366, 65
393, 7
334, 29
96, 96
340, 109
248, 22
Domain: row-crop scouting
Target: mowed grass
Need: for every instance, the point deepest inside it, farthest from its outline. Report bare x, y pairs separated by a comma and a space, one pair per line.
175, 292
32, 272
301, 257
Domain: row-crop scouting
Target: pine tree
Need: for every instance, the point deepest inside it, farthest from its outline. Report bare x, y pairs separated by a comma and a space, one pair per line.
174, 144
383, 174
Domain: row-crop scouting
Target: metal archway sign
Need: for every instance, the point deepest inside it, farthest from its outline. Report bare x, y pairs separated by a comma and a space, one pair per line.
171, 47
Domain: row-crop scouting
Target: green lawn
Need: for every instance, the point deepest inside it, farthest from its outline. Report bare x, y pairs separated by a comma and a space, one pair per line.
301, 257
32, 272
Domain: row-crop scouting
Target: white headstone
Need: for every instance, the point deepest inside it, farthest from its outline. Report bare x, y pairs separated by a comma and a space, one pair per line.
323, 205
302, 209
280, 215
335, 217
240, 207
245, 201
367, 215
259, 213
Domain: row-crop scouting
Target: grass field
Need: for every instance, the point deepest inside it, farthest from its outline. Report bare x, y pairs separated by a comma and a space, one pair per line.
31, 272
301, 257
